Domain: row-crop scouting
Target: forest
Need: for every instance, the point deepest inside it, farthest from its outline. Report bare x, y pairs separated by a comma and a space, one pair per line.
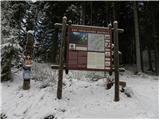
139, 43
33, 37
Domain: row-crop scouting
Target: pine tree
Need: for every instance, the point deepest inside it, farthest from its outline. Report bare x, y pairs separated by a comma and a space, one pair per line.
10, 48
45, 43
26, 22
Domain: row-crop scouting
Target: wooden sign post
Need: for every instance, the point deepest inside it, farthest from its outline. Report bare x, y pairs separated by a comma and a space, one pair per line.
61, 60
28, 60
116, 61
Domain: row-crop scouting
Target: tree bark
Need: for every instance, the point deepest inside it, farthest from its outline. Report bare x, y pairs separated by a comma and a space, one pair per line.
138, 56
91, 5
156, 53
82, 13
114, 11
150, 60
141, 54
155, 40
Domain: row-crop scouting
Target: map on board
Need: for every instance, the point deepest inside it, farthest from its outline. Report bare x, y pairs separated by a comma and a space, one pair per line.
79, 38
96, 42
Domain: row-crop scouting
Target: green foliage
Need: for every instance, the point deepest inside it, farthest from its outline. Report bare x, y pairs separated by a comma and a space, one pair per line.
10, 48
6, 63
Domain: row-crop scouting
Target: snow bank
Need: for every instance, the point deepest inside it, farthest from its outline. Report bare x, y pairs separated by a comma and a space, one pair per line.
82, 98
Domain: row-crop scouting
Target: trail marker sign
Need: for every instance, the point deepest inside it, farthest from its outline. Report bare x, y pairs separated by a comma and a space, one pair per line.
89, 48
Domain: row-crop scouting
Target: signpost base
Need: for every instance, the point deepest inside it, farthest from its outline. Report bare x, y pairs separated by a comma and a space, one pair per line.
26, 84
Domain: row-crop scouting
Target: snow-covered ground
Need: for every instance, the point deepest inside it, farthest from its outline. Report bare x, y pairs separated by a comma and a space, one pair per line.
82, 98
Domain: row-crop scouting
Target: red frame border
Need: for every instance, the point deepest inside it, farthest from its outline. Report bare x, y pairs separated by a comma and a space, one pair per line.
69, 31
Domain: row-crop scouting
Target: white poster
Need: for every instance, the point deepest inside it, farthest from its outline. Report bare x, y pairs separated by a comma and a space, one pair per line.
95, 60
95, 42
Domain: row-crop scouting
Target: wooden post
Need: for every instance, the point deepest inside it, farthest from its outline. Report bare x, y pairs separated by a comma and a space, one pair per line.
116, 61
28, 61
61, 60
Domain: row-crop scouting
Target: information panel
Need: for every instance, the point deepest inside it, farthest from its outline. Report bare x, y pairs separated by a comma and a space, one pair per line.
89, 48
95, 42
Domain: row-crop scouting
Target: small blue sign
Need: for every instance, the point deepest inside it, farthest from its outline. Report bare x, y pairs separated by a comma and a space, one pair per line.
26, 74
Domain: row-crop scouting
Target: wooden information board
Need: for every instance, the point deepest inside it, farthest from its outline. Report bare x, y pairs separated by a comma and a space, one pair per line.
89, 48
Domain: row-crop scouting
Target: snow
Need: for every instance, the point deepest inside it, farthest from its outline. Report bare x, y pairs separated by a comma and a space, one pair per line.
31, 31
82, 98
33, 1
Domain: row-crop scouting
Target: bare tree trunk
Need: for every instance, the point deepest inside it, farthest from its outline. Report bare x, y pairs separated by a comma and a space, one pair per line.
91, 5
138, 56
156, 52
82, 13
156, 61
106, 9
150, 59
114, 11
141, 53
133, 59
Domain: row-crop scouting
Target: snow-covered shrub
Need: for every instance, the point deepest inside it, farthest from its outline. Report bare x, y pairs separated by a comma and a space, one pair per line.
50, 117
86, 75
73, 10
94, 76
7, 56
3, 116
128, 91
43, 72
10, 52
10, 48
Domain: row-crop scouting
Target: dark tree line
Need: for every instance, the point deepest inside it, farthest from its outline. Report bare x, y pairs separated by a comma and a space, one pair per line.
41, 16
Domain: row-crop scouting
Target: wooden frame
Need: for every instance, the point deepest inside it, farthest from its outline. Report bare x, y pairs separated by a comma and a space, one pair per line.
92, 29
87, 30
